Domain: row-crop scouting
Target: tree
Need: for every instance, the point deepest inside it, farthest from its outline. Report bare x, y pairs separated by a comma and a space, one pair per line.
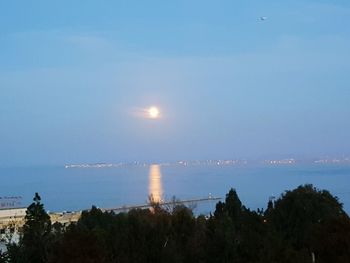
232, 207
296, 215
331, 240
303, 225
35, 240
224, 229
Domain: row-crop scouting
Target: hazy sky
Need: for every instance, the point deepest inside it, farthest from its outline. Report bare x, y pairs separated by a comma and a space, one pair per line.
228, 85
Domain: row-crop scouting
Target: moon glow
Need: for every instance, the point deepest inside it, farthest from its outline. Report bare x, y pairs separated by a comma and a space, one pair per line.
153, 112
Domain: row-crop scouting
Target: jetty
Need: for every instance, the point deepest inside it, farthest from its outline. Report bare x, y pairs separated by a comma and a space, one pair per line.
162, 204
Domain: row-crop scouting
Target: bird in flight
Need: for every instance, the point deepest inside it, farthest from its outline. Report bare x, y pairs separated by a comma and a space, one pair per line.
263, 18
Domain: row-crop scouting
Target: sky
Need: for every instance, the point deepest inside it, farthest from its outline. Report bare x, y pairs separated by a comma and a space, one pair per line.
228, 85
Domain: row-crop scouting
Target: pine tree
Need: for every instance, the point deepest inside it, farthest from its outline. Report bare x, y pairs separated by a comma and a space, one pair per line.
36, 232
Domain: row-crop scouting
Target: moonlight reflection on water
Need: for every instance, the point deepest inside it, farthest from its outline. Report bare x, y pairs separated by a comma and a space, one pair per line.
155, 183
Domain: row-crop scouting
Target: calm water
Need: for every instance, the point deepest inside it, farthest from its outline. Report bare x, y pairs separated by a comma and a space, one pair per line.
74, 189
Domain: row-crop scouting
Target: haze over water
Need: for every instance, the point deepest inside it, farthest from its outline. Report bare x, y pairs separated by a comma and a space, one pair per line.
72, 189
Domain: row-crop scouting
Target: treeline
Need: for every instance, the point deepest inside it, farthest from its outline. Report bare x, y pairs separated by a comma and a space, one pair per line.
303, 225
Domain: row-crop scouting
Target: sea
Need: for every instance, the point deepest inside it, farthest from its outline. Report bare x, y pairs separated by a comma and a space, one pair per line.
74, 189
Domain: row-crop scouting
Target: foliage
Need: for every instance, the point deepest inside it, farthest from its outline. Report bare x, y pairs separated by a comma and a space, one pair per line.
302, 223
3, 257
36, 234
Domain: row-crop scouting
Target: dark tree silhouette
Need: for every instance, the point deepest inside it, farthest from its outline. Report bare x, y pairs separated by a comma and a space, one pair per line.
35, 240
302, 225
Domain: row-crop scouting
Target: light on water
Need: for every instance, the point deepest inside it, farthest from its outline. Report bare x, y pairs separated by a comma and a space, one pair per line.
155, 183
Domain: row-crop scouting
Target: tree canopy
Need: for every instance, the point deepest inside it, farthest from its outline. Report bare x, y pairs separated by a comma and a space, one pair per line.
302, 225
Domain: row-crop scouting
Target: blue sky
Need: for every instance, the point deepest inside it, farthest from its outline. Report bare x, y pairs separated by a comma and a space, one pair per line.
228, 85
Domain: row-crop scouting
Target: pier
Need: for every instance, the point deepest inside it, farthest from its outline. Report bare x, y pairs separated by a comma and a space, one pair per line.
162, 204
14, 218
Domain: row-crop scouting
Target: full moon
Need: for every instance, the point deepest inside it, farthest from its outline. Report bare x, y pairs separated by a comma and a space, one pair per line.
153, 112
